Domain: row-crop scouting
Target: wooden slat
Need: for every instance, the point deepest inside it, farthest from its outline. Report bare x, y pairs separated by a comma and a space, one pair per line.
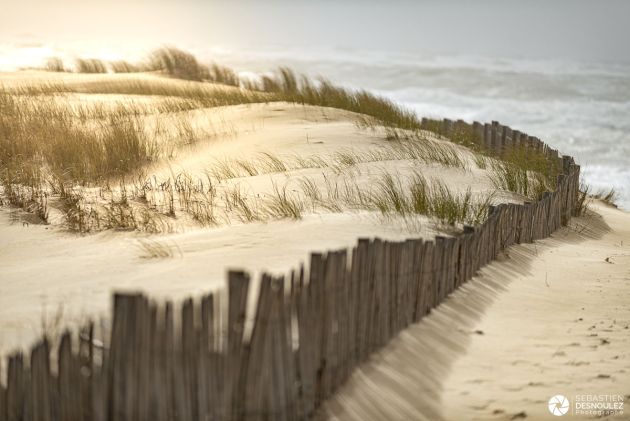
69, 381
316, 286
329, 320
306, 363
278, 390
3, 403
258, 365
238, 286
188, 356
40, 399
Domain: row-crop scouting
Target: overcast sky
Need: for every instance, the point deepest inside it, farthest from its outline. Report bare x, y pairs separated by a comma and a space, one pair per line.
576, 29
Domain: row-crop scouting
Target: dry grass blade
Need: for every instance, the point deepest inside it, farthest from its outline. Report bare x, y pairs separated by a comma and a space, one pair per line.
154, 249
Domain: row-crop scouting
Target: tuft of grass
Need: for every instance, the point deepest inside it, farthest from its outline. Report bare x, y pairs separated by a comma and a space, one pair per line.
609, 197
42, 131
435, 200
394, 195
287, 86
54, 64
581, 204
248, 166
238, 202
79, 216
481, 161
390, 196
280, 204
311, 190
272, 163
533, 161
510, 177
22, 186
225, 169
153, 249
123, 66
178, 63
223, 75
449, 207
90, 65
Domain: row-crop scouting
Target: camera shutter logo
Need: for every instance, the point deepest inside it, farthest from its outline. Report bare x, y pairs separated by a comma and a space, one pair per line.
559, 405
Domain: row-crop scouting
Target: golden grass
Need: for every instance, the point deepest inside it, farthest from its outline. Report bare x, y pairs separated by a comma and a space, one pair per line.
54, 64
123, 66
50, 149
40, 132
90, 65
153, 249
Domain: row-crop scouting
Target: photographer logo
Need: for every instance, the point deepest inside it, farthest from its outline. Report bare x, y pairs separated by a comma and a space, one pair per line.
559, 405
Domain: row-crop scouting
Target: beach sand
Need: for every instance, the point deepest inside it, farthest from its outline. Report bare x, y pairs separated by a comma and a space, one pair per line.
545, 319
51, 278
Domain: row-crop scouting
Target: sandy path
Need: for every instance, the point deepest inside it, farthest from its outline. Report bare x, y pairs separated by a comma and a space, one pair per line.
549, 318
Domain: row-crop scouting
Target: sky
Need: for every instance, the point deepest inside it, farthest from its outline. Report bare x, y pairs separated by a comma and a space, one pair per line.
584, 30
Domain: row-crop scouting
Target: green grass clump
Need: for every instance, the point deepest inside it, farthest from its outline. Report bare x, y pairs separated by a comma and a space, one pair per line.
432, 199
510, 177
533, 161
390, 196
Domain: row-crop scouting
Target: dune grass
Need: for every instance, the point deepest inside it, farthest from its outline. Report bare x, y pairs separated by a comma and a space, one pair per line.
93, 145
123, 66
178, 63
583, 199
22, 187
510, 177
281, 204
286, 85
153, 249
41, 132
434, 199
268, 163
607, 196
54, 64
392, 194
585, 196
90, 65
48, 147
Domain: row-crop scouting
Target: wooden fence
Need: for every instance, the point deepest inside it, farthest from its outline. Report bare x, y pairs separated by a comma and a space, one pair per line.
304, 339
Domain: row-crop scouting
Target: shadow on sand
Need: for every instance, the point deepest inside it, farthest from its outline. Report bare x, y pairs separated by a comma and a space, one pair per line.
404, 381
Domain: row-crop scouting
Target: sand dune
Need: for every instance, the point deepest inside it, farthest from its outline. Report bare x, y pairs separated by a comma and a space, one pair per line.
548, 318
49, 271
544, 319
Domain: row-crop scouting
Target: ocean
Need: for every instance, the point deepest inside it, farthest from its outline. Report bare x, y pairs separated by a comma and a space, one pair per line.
581, 108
